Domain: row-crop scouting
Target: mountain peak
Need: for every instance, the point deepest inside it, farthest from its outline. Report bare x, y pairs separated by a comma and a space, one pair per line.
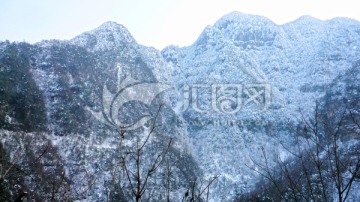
307, 20
112, 26
246, 30
242, 18
108, 35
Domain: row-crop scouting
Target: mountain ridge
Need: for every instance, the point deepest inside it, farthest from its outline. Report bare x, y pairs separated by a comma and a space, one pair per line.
300, 61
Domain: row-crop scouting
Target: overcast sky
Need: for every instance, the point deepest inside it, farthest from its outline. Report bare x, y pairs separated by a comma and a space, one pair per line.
155, 23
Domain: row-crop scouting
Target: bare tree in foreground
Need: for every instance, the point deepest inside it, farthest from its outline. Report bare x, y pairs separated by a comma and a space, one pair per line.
147, 168
138, 172
35, 174
321, 168
196, 192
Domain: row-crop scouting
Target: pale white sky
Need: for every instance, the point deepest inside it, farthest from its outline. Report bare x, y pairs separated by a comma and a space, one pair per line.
155, 23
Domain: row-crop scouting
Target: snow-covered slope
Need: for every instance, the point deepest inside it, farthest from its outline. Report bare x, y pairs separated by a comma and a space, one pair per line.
243, 85
298, 60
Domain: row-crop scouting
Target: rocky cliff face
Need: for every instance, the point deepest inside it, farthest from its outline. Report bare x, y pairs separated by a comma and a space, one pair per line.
243, 85
298, 61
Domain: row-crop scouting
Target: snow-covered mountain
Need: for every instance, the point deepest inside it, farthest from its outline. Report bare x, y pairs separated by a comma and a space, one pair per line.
243, 85
298, 60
